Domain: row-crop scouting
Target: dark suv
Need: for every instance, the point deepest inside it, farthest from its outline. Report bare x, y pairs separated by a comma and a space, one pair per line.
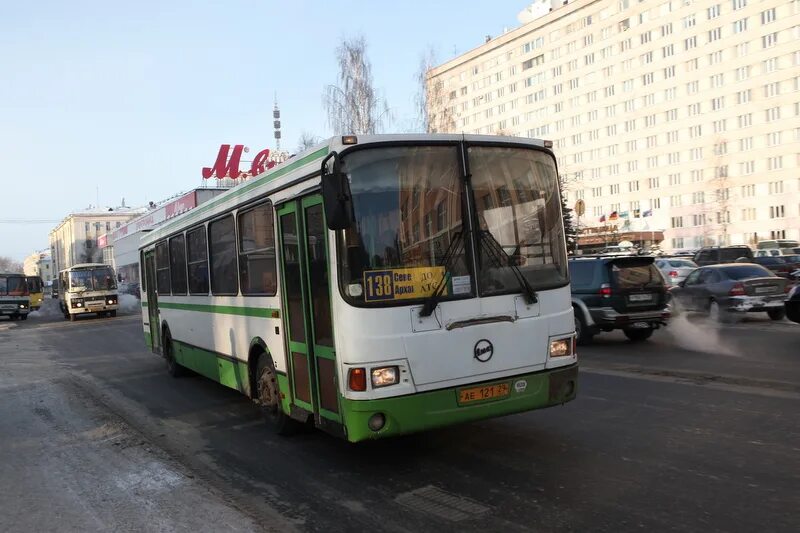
715, 255
608, 293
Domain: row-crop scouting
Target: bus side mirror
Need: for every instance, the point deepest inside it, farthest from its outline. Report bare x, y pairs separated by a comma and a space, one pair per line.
336, 194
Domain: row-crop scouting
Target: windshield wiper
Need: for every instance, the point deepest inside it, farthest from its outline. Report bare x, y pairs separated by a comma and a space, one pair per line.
500, 259
455, 246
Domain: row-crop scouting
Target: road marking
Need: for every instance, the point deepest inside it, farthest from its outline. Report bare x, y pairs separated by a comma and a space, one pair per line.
697, 380
440, 503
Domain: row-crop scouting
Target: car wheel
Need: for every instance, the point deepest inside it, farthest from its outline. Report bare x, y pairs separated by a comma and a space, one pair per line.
638, 335
269, 398
582, 332
776, 314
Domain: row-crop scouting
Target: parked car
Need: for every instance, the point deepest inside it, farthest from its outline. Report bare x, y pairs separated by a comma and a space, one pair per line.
792, 304
778, 265
54, 289
776, 252
714, 255
675, 269
608, 293
730, 290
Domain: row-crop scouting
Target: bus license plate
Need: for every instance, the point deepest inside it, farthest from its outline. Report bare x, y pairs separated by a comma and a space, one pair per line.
479, 394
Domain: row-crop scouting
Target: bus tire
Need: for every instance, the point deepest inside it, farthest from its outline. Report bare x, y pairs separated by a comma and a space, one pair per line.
113, 313
72, 317
174, 369
268, 397
23, 317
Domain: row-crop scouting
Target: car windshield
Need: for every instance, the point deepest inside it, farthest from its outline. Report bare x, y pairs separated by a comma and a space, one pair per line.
96, 279
681, 263
770, 260
742, 272
732, 254
13, 286
410, 232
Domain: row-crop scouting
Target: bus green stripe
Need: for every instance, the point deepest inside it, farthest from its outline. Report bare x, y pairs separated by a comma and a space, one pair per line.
243, 189
260, 312
233, 374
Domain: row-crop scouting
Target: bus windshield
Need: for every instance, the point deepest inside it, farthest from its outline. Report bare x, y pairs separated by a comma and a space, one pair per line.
34, 283
96, 279
410, 231
13, 286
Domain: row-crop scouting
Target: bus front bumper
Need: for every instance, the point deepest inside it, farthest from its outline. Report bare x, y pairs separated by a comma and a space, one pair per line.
428, 410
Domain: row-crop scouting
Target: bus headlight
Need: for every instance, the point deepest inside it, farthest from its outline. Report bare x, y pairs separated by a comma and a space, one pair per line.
383, 377
561, 347
76, 303
111, 300
22, 306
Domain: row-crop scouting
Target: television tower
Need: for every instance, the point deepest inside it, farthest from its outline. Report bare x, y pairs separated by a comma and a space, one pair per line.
276, 123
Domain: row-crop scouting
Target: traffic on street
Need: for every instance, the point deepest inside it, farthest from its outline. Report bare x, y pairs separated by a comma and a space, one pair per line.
696, 429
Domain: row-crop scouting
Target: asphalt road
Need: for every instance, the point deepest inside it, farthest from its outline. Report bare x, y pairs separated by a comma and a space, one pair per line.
697, 428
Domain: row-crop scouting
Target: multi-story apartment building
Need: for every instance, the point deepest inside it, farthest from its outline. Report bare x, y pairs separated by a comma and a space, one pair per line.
687, 111
75, 239
39, 264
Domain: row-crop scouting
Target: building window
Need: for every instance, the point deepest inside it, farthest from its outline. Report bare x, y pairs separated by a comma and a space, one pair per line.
773, 138
222, 256
743, 97
742, 73
768, 16
773, 113
693, 87
740, 25
690, 43
748, 190
775, 163
714, 34
738, 4
676, 222
747, 167
674, 179
713, 11
749, 213
653, 183
675, 200
698, 197
776, 187
777, 234
668, 50
745, 143
720, 125
769, 40
776, 211
745, 121
698, 220
697, 175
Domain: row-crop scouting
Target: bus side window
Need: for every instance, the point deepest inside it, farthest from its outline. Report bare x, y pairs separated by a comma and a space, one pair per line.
162, 268
177, 264
257, 269
222, 255
197, 260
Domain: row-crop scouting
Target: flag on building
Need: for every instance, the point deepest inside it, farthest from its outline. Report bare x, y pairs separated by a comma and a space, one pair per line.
603, 218
613, 216
648, 213
637, 213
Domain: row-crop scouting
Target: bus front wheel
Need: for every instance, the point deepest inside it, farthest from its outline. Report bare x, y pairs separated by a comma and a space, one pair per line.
269, 398
173, 368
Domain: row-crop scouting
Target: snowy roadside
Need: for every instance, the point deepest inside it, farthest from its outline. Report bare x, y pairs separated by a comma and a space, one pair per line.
67, 463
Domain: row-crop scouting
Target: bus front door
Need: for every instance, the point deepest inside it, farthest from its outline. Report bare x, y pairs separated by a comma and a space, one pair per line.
152, 301
305, 284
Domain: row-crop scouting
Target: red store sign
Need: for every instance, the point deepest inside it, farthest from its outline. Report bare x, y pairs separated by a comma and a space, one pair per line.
227, 163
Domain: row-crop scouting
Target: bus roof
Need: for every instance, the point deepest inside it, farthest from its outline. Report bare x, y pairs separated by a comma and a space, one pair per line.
81, 266
306, 164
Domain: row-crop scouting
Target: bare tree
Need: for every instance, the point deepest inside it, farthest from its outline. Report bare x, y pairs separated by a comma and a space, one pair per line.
307, 140
353, 105
9, 265
433, 113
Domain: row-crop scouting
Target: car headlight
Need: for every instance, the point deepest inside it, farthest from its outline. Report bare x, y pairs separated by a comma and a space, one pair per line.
561, 347
383, 377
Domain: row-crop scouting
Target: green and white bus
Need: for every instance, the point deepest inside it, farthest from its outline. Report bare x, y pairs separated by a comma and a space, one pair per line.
374, 285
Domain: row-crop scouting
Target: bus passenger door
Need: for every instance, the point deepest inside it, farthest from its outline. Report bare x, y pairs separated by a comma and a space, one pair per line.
152, 301
305, 285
